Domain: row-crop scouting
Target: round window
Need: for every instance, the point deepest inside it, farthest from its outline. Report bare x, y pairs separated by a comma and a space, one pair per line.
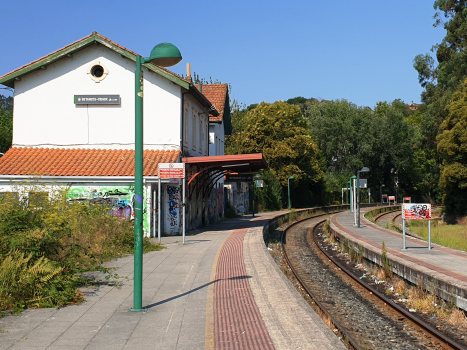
97, 71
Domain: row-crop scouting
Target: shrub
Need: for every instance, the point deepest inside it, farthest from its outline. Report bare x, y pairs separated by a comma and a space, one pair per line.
43, 245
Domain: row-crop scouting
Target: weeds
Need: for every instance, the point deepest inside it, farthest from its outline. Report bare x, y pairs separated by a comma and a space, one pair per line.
45, 243
387, 265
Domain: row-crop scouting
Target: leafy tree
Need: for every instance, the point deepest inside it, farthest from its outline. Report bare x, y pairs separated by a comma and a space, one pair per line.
452, 148
351, 137
6, 103
440, 76
280, 132
6, 123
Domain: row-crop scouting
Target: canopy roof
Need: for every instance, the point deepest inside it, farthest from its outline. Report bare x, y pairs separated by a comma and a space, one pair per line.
240, 163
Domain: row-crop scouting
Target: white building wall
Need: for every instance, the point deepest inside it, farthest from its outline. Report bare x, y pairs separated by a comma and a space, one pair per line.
216, 139
193, 146
45, 114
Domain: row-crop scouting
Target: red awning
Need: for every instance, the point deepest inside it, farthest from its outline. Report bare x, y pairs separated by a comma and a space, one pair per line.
207, 170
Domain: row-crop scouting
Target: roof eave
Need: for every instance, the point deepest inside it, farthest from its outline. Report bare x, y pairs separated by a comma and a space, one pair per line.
203, 100
95, 38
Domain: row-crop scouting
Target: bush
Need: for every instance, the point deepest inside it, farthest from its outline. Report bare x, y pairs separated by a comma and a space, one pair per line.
44, 245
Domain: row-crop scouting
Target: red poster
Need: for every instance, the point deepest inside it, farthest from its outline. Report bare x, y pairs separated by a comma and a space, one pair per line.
414, 211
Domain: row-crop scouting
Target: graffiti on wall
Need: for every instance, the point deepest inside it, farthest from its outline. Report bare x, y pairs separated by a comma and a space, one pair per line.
173, 221
120, 199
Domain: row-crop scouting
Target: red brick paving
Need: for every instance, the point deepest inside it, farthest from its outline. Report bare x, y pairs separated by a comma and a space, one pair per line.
238, 323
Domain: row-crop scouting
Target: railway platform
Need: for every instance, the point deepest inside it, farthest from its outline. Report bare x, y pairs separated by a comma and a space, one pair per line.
441, 269
221, 290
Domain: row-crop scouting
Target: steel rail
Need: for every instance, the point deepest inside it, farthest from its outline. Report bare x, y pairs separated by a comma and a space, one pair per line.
309, 292
441, 337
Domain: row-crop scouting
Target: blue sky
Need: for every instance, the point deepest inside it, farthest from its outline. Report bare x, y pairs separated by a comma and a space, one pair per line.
359, 50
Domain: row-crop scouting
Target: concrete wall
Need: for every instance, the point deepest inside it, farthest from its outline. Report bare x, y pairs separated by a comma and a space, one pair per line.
443, 286
216, 139
120, 197
45, 114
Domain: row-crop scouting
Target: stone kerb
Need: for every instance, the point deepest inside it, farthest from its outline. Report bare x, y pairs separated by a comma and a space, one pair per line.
446, 287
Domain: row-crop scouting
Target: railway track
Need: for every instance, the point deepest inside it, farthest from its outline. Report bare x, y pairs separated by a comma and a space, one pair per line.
365, 319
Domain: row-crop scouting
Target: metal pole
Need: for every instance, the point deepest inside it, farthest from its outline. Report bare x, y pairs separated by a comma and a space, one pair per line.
184, 209
138, 254
403, 234
348, 192
358, 197
354, 206
429, 234
159, 208
254, 185
288, 191
351, 195
154, 211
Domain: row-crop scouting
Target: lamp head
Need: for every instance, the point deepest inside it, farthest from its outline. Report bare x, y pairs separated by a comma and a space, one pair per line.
291, 177
383, 185
364, 170
165, 55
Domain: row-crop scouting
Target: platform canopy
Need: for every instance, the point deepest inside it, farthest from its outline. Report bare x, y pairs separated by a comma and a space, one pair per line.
204, 172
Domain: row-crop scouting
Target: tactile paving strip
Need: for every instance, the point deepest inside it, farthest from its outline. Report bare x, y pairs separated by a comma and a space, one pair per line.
238, 323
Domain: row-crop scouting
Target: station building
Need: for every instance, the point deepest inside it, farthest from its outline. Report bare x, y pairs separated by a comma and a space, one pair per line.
73, 127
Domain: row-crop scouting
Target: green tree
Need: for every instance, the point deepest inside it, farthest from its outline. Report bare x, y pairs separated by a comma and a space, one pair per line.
6, 123
351, 137
452, 147
440, 76
280, 132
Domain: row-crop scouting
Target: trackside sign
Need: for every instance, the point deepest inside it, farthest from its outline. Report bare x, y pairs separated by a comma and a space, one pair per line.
414, 211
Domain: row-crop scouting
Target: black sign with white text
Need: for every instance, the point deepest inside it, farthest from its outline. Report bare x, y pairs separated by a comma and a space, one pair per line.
239, 178
97, 99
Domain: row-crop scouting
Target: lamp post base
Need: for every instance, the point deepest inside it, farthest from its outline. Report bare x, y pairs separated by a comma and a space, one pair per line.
139, 310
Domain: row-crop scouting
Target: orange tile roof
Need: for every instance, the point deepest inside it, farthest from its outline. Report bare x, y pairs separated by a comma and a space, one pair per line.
217, 94
81, 162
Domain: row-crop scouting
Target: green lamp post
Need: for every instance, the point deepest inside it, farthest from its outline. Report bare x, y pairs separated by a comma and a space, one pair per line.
164, 55
288, 189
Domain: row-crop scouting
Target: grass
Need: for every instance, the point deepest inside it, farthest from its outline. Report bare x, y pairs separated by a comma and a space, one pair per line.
451, 236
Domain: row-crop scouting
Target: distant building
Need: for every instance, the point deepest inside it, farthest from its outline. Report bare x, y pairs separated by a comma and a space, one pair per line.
414, 106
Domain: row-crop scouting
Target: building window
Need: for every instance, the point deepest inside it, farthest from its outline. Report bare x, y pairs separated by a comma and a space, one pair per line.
206, 141
97, 71
201, 133
193, 129
186, 124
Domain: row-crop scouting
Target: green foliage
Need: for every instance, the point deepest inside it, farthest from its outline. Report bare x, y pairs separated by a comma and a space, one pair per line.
452, 147
280, 132
26, 282
61, 237
351, 137
440, 80
270, 196
6, 130
229, 211
387, 265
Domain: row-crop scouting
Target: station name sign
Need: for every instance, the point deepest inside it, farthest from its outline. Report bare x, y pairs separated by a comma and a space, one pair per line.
97, 99
239, 178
